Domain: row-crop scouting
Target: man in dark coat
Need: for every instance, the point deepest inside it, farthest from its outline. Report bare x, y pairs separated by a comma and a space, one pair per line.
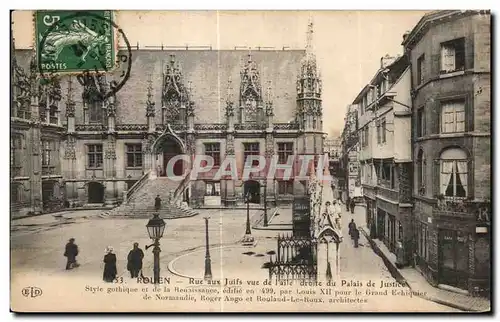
347, 203
110, 271
134, 264
355, 236
157, 203
352, 205
352, 227
70, 253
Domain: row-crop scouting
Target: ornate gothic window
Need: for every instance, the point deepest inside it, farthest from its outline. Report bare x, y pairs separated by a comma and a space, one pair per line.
95, 157
285, 150
16, 143
47, 151
134, 155
95, 112
251, 109
174, 94
250, 91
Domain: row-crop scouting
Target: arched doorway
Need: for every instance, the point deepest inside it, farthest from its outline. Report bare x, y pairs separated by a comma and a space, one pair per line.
252, 190
95, 192
169, 149
47, 193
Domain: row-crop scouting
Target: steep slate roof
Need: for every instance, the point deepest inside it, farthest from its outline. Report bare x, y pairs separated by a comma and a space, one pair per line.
208, 71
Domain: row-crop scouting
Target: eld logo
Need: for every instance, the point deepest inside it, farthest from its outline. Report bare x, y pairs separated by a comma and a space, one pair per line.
32, 291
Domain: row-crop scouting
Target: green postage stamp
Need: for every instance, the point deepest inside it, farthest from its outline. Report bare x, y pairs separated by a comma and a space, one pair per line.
75, 41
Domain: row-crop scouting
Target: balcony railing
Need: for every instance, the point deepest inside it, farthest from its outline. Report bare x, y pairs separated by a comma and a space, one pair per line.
249, 126
286, 126
369, 191
473, 211
387, 193
175, 127
131, 127
210, 127
90, 127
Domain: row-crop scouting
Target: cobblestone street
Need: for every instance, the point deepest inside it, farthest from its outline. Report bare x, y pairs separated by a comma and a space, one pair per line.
39, 252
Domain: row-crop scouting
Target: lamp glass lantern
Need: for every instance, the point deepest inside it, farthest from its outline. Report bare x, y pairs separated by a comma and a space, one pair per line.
155, 226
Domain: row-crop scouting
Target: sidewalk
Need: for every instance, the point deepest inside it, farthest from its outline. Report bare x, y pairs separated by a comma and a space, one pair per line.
416, 282
278, 219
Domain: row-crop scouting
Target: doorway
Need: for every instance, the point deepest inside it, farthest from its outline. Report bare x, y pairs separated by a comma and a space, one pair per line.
171, 149
96, 192
251, 190
47, 193
453, 258
380, 224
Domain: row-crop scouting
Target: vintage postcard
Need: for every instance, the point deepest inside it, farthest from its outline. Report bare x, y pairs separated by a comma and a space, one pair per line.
250, 161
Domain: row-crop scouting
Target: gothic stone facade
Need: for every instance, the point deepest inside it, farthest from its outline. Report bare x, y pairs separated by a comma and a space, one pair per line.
89, 152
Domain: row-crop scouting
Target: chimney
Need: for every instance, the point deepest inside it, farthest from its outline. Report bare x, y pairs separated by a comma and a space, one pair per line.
405, 35
386, 61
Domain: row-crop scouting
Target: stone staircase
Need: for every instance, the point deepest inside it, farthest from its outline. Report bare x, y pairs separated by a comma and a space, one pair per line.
141, 203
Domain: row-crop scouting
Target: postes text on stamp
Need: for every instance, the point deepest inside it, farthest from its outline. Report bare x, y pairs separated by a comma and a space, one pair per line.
75, 41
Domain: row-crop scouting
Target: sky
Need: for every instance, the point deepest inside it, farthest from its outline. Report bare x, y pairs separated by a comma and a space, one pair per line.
348, 44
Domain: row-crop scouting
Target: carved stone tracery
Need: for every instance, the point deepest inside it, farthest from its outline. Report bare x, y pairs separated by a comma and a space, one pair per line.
174, 94
269, 145
69, 151
70, 103
250, 90
111, 149
230, 144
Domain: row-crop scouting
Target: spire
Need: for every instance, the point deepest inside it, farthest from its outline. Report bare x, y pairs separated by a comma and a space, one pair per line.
229, 98
150, 104
269, 103
150, 89
229, 90
268, 96
70, 103
309, 38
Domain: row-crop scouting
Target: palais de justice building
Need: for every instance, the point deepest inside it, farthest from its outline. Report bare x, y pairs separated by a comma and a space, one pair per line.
69, 149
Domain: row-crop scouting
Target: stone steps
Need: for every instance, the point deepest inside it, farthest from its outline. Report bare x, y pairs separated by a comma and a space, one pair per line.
141, 205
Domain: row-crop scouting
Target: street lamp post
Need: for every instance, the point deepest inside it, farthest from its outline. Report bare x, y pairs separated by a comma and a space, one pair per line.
208, 264
156, 226
265, 204
248, 231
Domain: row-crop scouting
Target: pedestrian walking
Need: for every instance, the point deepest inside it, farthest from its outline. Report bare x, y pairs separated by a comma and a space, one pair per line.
157, 203
134, 261
70, 252
352, 227
355, 233
347, 203
110, 270
352, 205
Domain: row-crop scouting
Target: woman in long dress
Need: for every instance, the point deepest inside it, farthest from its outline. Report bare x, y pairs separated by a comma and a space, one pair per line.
110, 270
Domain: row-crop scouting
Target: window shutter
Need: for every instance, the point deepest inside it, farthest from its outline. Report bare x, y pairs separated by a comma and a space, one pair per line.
447, 58
460, 116
435, 179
